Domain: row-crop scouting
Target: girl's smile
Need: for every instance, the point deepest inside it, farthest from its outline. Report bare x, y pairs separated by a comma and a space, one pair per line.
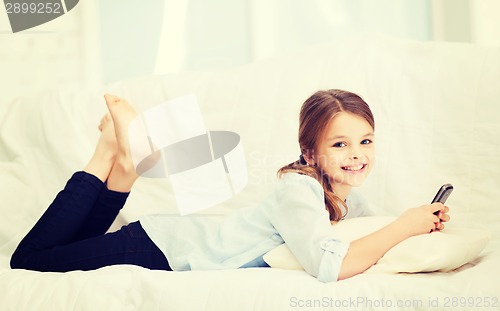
345, 152
354, 169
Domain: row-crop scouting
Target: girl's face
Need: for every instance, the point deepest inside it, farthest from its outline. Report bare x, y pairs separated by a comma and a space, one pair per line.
346, 150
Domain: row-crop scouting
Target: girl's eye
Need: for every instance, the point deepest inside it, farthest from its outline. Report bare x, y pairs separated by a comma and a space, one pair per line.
339, 145
366, 142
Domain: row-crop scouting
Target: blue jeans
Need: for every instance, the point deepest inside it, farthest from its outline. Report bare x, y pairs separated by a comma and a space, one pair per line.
71, 234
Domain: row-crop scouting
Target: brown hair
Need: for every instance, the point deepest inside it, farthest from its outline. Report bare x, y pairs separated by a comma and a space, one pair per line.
315, 114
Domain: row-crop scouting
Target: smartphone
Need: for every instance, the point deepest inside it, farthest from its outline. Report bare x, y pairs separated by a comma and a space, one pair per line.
442, 194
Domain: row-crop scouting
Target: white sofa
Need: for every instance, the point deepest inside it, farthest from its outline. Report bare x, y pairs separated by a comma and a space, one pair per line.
436, 107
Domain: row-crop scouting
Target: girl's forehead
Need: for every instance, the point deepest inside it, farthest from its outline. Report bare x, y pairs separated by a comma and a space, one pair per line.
347, 124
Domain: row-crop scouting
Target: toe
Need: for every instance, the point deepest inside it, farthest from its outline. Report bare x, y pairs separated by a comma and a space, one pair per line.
106, 119
111, 99
101, 124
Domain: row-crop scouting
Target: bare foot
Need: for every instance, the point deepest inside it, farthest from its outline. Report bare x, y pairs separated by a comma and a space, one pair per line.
105, 152
122, 114
108, 137
123, 174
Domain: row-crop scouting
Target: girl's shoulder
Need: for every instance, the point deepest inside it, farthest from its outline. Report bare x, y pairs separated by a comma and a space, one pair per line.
292, 178
296, 183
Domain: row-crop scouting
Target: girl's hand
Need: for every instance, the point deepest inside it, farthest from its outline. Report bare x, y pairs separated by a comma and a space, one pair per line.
443, 217
420, 220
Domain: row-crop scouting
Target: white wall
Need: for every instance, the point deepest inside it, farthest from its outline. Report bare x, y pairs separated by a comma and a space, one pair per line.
287, 25
128, 32
201, 35
485, 23
223, 33
204, 35
102, 41
62, 53
474, 21
451, 20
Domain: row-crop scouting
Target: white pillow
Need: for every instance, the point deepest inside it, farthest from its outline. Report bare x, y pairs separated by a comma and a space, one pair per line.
437, 251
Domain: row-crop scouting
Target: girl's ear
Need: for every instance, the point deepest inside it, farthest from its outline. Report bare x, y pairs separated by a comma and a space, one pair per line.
309, 157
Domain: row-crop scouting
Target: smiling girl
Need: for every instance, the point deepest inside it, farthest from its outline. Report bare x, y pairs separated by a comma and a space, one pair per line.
336, 138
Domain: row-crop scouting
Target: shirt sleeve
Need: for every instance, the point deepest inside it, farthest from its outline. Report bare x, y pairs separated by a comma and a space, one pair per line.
302, 221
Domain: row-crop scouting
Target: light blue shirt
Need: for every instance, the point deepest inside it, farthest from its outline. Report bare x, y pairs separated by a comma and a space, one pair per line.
293, 213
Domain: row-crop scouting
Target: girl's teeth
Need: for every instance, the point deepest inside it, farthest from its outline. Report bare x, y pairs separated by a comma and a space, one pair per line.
353, 168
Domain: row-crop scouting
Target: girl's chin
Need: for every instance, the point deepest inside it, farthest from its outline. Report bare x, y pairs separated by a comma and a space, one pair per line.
351, 180
356, 184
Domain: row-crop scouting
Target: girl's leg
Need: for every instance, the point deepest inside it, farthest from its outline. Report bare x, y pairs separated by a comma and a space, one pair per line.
61, 221
48, 248
80, 211
102, 161
129, 245
108, 205
122, 175
65, 216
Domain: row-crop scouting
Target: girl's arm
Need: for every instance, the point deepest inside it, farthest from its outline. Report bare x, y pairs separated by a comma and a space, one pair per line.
366, 251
